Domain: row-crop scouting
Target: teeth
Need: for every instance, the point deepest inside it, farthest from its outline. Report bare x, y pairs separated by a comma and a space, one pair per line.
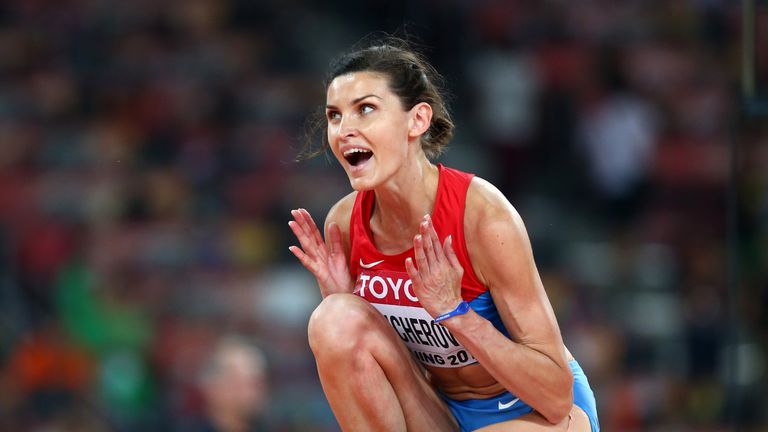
355, 150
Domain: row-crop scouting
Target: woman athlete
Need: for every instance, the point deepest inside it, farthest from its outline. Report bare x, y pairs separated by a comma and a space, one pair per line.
433, 317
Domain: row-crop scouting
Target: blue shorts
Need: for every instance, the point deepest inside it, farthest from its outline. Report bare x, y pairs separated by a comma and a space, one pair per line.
477, 413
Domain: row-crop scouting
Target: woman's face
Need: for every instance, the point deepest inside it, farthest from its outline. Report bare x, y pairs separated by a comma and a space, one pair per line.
368, 129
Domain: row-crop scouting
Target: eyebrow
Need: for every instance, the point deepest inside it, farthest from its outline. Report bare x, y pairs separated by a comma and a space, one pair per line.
356, 100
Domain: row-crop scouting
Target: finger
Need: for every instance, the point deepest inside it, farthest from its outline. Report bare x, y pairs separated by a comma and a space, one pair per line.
429, 249
334, 239
439, 254
298, 218
298, 231
308, 225
309, 246
308, 216
312, 233
304, 259
301, 235
450, 253
418, 253
311, 224
414, 274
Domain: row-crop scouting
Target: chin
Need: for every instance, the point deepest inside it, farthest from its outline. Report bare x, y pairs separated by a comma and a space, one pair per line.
360, 184
364, 181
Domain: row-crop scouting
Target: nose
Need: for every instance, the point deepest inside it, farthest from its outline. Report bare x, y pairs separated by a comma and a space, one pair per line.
347, 128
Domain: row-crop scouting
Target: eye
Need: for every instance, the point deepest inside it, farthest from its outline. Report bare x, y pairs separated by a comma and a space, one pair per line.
366, 108
333, 115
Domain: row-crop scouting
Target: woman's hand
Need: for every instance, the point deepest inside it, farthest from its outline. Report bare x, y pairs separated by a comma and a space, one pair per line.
436, 277
328, 263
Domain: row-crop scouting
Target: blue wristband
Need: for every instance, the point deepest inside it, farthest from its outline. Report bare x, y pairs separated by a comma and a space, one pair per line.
461, 309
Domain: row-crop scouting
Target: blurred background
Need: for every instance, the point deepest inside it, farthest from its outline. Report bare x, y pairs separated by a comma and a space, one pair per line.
147, 173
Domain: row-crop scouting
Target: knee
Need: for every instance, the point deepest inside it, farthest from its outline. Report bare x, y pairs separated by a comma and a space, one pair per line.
338, 325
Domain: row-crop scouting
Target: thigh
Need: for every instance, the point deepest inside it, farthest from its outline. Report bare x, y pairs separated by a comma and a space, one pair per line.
380, 362
577, 421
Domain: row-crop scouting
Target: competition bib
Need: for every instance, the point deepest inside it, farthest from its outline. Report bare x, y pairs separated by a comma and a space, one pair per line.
391, 294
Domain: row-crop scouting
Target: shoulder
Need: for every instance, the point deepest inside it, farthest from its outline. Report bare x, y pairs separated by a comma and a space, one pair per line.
487, 204
491, 223
341, 212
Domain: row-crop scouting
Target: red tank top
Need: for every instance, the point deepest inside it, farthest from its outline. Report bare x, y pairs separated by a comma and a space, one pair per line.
382, 280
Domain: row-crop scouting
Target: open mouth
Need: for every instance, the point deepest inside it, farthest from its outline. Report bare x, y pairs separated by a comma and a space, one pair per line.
357, 156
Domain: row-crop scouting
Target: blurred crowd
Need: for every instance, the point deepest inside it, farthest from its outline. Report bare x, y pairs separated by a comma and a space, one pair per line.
147, 173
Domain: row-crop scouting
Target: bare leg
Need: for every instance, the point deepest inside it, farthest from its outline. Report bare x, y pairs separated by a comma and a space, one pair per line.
577, 421
369, 376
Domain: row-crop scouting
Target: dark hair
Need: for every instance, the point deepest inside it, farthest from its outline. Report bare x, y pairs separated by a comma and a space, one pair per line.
410, 77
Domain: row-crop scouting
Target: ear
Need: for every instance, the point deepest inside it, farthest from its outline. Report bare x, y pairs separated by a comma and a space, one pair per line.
420, 119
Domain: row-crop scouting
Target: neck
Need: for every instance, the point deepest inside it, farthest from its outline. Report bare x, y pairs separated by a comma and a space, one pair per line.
402, 202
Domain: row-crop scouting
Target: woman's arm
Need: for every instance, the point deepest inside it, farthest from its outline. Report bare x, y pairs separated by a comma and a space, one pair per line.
533, 364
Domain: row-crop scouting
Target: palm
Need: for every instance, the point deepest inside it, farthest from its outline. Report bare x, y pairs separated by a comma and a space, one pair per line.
325, 259
437, 279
